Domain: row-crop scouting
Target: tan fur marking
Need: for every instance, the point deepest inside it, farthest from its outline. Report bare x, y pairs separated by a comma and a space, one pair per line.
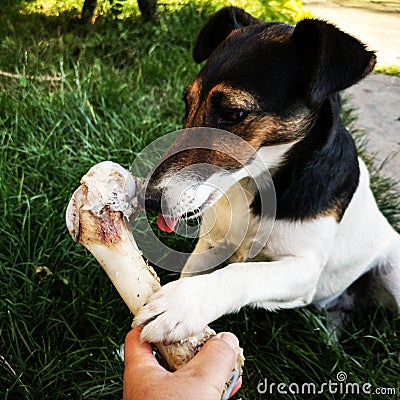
273, 129
336, 210
256, 130
231, 216
193, 101
234, 98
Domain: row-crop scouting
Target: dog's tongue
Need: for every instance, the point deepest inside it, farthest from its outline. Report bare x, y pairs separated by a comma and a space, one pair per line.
166, 224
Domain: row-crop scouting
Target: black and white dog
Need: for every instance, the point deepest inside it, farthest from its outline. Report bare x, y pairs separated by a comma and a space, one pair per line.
276, 87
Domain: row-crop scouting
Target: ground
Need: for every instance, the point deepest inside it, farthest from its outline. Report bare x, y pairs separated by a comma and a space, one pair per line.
377, 98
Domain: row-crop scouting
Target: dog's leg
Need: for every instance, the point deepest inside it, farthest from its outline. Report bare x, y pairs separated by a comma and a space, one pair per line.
224, 227
386, 277
208, 253
204, 259
380, 284
356, 299
188, 304
195, 263
185, 306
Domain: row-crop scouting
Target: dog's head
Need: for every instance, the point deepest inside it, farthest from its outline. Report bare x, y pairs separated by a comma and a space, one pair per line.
263, 82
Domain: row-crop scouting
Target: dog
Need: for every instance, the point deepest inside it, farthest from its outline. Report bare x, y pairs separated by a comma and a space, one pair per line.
276, 88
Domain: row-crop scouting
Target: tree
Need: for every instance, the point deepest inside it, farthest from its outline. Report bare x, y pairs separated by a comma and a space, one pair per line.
88, 9
147, 8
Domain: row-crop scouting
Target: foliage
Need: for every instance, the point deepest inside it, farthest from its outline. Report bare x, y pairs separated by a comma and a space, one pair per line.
389, 70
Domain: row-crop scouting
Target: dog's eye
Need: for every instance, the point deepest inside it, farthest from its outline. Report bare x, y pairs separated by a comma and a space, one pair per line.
232, 115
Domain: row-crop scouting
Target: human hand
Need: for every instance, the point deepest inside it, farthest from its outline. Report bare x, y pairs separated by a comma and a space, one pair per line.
202, 378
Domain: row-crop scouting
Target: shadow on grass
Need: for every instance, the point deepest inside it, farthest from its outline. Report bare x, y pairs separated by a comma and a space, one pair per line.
35, 41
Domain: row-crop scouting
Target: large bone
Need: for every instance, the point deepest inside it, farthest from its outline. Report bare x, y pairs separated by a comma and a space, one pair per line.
96, 217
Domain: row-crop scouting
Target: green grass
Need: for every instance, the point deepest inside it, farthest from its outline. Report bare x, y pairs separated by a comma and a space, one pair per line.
389, 70
117, 87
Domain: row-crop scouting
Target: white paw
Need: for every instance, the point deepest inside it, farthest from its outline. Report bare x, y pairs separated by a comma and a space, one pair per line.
178, 310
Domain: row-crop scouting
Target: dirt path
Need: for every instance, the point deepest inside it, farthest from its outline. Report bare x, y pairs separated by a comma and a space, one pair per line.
377, 98
379, 30
377, 101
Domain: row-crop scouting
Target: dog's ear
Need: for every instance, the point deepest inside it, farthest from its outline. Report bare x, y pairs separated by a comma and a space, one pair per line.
334, 60
218, 27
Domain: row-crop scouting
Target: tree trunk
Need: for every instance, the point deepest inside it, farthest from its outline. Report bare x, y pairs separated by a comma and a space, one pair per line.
147, 8
88, 9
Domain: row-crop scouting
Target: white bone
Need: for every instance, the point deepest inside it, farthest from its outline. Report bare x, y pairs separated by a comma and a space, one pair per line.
95, 218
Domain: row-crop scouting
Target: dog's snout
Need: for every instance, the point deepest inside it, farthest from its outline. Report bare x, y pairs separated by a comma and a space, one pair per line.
152, 199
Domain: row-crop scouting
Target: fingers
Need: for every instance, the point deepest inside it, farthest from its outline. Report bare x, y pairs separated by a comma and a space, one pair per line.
216, 360
138, 354
142, 371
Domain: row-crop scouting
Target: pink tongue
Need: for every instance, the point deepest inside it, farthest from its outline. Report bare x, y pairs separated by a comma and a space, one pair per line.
166, 224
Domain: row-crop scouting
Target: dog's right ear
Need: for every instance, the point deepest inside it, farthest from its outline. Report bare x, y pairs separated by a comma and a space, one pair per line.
218, 27
334, 60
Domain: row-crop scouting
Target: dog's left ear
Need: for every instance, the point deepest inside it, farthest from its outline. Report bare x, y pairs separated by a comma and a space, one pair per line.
334, 60
218, 27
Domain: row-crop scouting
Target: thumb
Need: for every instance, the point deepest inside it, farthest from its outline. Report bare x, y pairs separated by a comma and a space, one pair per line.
216, 360
138, 354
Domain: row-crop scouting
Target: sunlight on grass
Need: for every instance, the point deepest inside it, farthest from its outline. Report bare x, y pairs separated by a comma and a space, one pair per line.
51, 7
290, 10
389, 70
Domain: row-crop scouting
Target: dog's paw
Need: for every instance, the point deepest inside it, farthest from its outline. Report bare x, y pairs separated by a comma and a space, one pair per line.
178, 310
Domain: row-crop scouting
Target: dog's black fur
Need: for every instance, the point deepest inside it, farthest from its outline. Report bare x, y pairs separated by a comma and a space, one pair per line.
320, 173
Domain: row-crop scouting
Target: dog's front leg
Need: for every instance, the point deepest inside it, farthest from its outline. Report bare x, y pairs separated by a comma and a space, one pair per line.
182, 308
201, 260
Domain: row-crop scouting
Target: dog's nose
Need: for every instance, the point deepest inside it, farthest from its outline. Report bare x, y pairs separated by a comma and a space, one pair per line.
152, 199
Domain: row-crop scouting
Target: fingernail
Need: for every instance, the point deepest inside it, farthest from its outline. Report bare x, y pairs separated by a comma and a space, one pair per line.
231, 385
229, 338
237, 386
